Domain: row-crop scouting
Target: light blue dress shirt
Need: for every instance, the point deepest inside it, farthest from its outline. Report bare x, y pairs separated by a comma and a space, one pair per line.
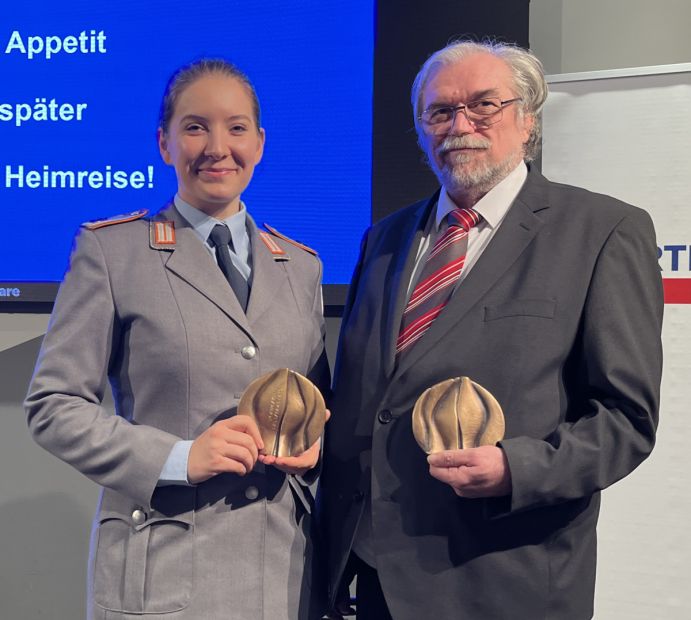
237, 223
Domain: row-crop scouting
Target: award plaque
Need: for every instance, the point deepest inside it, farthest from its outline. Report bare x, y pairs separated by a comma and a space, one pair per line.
457, 413
288, 409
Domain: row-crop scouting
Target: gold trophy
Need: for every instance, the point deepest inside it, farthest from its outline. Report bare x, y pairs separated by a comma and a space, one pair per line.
288, 409
457, 413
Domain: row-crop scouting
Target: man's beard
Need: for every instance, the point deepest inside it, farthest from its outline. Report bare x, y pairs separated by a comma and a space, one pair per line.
479, 177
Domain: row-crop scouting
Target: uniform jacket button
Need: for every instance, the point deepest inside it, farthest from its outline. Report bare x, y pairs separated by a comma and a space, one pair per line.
138, 516
252, 492
248, 352
385, 416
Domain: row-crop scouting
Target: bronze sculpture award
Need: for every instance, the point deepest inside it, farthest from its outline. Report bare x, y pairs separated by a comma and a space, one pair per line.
288, 409
457, 413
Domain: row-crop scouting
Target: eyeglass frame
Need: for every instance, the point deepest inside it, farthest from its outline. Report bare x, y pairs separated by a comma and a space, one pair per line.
463, 107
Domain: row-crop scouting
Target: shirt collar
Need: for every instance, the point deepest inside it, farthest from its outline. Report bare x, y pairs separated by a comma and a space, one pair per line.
494, 205
203, 223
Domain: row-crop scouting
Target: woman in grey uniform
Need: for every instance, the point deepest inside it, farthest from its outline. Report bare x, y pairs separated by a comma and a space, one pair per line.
179, 312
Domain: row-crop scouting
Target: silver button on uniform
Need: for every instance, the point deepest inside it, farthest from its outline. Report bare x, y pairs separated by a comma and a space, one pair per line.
138, 516
248, 352
252, 492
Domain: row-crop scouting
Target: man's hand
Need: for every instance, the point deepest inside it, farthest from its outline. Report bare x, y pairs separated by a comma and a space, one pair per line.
297, 465
473, 472
228, 446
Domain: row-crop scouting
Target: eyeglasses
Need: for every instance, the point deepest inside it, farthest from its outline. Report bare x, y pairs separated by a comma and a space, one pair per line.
481, 113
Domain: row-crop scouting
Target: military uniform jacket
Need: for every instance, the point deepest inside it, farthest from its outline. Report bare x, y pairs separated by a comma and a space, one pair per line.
560, 320
162, 325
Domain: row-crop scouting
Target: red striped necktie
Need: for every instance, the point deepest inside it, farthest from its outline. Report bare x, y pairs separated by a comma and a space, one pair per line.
439, 275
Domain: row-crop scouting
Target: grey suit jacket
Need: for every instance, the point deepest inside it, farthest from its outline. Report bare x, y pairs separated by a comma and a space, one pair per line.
164, 328
560, 319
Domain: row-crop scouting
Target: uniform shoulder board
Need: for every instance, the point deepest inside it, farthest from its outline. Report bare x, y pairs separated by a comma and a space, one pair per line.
116, 219
280, 235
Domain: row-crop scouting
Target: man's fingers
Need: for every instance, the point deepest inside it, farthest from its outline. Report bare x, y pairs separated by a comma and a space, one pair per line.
474, 472
449, 458
448, 475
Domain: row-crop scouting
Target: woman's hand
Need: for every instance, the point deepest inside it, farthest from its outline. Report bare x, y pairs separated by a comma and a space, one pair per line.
297, 465
227, 446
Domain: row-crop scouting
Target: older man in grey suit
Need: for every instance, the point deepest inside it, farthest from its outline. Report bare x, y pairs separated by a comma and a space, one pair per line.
553, 302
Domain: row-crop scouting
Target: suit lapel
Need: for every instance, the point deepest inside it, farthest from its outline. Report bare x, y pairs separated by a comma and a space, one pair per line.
516, 232
395, 297
192, 262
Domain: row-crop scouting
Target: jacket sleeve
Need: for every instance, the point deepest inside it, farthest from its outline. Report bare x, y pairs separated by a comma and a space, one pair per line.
612, 380
319, 372
64, 405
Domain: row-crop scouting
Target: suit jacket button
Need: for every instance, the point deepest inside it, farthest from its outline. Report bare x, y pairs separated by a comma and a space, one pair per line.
385, 416
248, 352
252, 492
138, 516
358, 496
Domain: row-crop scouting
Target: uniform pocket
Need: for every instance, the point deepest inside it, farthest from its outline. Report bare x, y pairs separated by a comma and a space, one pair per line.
143, 559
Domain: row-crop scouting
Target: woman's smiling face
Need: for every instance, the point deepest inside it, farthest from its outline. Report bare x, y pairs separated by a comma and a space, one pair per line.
213, 143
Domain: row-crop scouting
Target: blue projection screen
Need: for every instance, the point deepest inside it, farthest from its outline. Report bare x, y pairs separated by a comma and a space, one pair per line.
81, 89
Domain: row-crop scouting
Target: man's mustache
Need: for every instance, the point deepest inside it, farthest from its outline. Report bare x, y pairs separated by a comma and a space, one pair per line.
452, 143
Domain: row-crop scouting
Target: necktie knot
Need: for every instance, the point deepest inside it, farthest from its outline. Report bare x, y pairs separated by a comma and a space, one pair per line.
220, 235
465, 218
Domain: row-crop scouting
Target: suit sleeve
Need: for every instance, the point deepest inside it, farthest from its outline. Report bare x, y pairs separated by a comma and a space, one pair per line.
613, 379
65, 400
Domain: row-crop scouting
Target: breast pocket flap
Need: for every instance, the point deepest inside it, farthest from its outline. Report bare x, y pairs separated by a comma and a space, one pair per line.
541, 308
